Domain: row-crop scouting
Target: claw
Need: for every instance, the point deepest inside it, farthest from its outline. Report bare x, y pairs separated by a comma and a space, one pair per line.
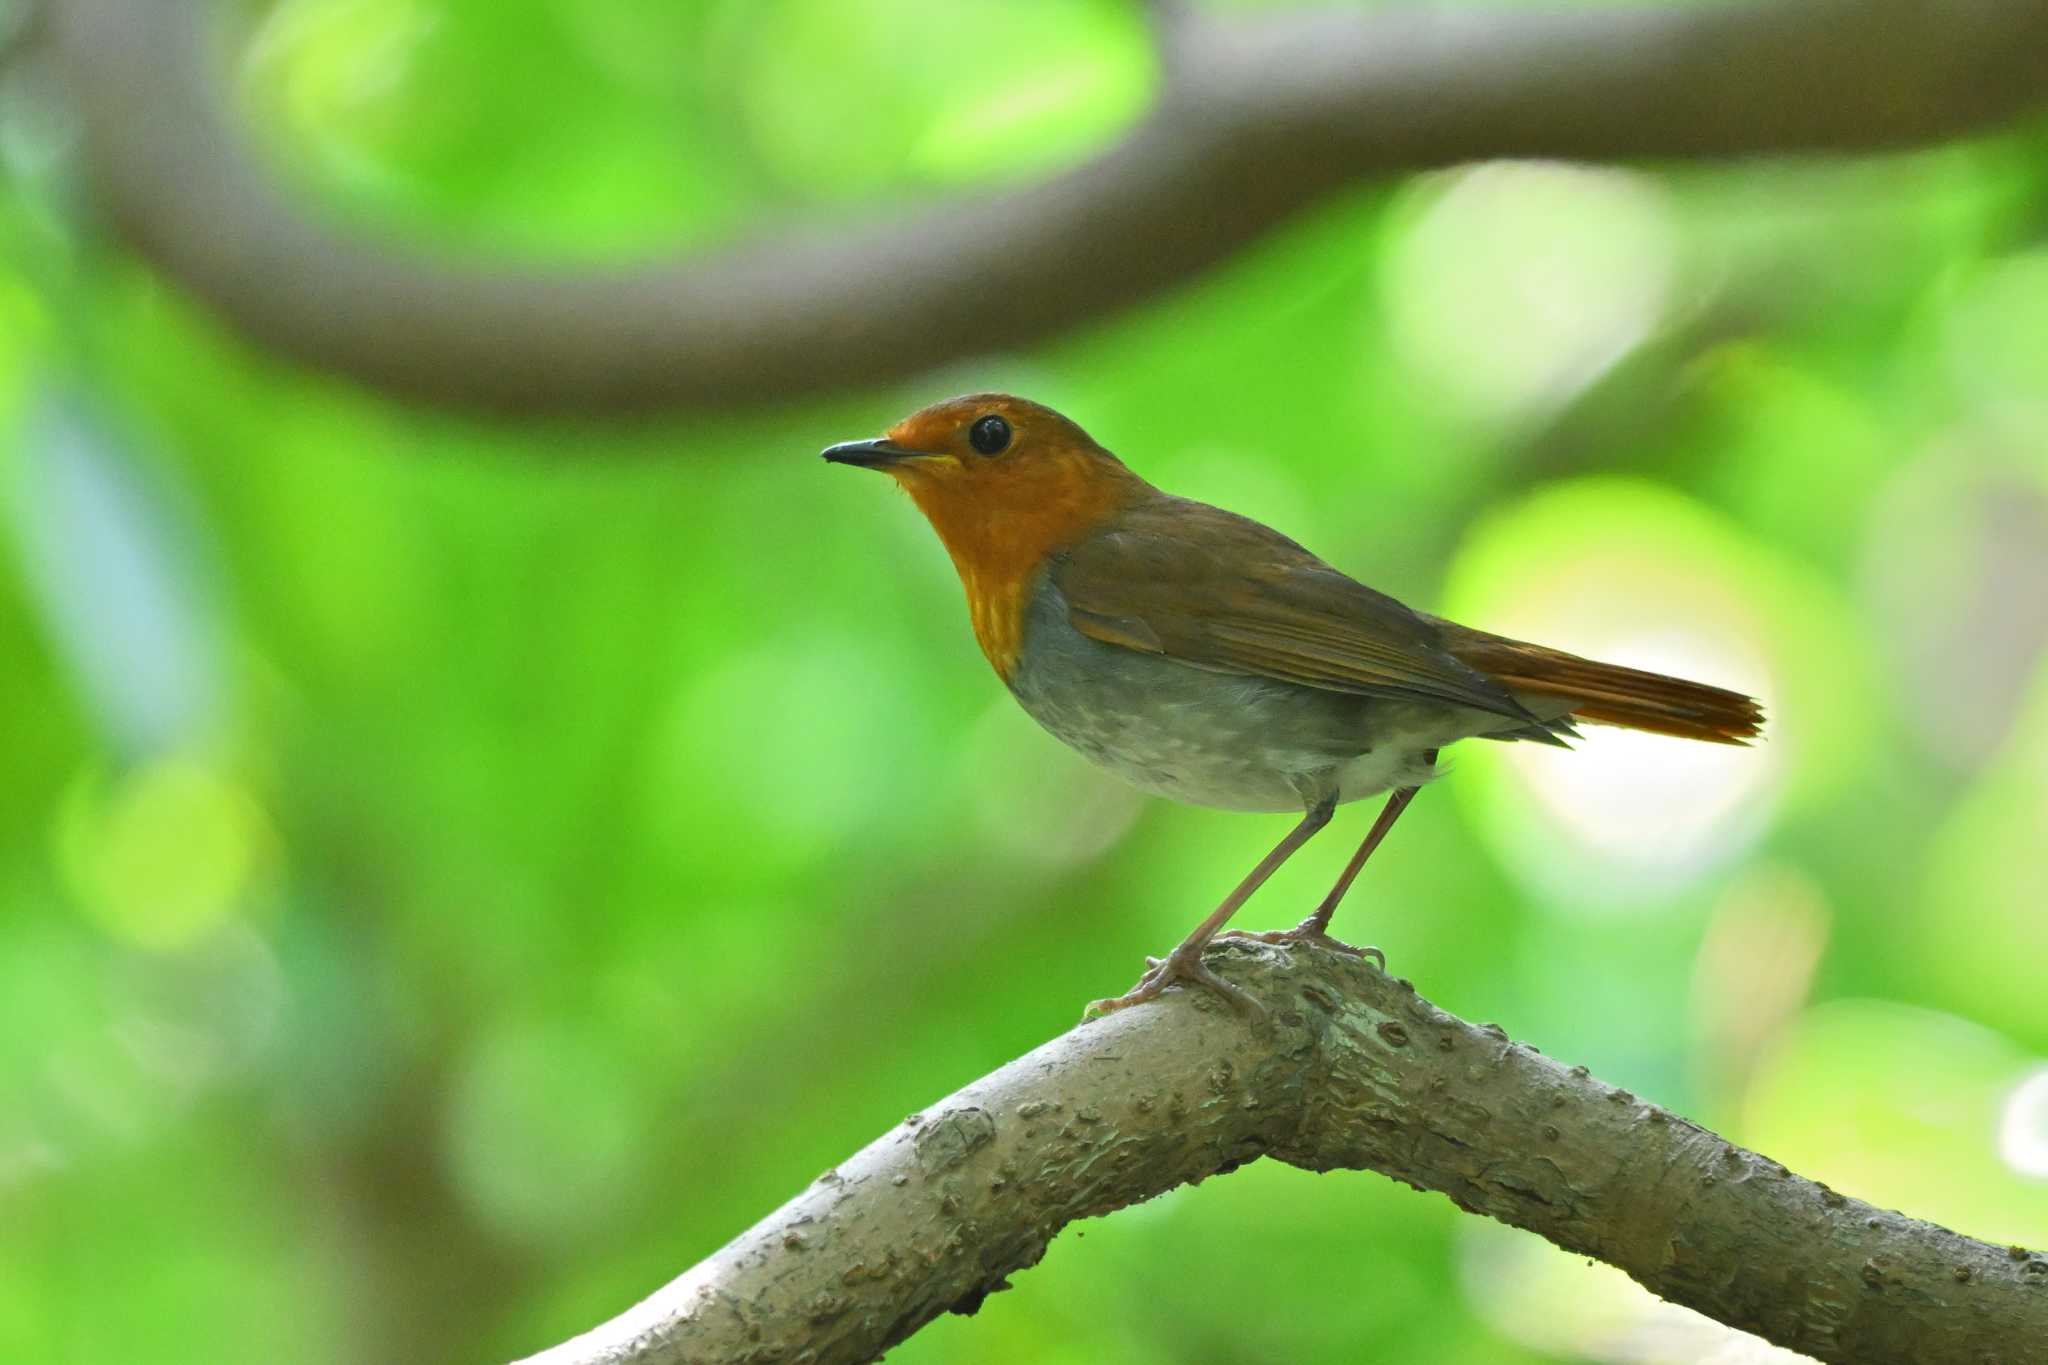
1308, 932
1176, 967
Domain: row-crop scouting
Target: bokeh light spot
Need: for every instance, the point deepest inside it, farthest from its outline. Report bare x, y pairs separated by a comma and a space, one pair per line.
1517, 283
546, 1132
1562, 1305
1903, 1107
2023, 1129
165, 853
1632, 575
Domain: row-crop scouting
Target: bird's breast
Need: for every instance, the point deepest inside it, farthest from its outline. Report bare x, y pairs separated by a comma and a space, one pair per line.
995, 609
1001, 537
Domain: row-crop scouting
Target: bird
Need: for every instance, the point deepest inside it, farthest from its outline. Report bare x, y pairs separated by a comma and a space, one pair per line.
1207, 658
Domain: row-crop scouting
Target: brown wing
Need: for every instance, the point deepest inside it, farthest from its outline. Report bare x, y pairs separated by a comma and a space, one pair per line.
1219, 591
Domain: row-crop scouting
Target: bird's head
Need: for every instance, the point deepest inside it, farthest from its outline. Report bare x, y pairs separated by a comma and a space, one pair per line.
1006, 483
997, 475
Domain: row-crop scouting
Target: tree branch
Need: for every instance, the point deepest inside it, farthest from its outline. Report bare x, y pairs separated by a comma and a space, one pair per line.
1350, 1070
1260, 116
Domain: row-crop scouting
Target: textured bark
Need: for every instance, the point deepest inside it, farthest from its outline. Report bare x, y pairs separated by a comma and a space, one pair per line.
1348, 1070
1260, 116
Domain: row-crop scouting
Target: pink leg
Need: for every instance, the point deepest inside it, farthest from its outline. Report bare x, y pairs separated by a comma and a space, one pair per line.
1185, 962
1316, 928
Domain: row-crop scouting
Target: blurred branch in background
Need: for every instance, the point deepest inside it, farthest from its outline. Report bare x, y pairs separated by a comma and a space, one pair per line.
1259, 117
1351, 1070
21, 28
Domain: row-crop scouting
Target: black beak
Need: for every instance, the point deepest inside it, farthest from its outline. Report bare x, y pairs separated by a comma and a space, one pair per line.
879, 453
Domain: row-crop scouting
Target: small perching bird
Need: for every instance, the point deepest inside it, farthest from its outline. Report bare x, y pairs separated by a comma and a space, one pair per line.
1205, 657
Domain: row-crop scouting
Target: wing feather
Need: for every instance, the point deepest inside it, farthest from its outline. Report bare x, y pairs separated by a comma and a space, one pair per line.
1218, 591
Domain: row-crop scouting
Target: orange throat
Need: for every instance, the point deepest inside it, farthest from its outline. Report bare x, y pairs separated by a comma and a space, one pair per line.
1001, 532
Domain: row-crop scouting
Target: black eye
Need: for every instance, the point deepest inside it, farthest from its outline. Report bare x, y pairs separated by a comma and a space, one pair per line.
989, 435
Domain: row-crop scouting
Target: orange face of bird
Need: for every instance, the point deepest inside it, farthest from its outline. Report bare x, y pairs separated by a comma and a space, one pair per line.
1006, 483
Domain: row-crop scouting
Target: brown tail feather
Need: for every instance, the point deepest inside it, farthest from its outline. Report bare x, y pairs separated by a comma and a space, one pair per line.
1608, 694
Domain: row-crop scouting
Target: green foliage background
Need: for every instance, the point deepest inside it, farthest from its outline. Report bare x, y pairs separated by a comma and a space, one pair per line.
455, 875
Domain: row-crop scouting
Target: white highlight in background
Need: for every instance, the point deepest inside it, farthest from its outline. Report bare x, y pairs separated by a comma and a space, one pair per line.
2023, 1127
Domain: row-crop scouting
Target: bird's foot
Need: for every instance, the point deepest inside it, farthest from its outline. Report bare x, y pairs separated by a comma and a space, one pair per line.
1182, 964
1310, 932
